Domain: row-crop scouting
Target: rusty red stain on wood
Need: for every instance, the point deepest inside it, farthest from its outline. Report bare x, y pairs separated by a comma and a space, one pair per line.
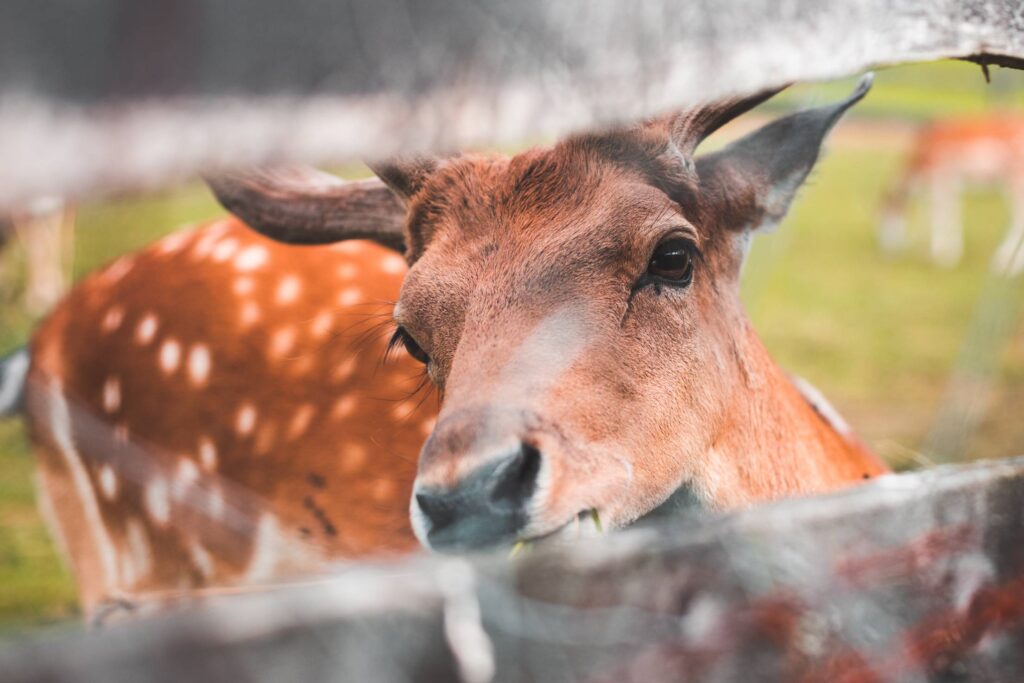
907, 560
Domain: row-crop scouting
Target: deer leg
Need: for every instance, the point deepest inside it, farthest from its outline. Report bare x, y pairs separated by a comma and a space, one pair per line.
1008, 259
947, 240
42, 231
892, 224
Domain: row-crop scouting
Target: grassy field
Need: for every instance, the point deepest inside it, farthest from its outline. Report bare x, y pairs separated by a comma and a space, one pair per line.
878, 336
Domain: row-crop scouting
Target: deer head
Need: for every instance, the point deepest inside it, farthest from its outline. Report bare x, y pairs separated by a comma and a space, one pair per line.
578, 308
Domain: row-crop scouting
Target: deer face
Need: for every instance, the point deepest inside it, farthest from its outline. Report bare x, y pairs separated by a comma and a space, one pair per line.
577, 307
574, 316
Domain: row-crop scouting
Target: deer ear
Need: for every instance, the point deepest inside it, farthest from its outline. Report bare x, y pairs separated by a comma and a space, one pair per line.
300, 205
405, 175
750, 183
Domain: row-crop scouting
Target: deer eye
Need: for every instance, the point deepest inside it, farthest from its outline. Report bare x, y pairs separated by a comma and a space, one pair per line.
403, 338
672, 261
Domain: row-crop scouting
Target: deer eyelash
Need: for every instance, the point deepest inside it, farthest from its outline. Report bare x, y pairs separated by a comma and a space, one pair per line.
396, 340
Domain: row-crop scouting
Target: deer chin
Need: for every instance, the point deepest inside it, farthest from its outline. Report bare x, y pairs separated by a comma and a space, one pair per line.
586, 524
683, 505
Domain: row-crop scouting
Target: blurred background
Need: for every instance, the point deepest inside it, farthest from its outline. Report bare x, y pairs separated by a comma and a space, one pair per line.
926, 361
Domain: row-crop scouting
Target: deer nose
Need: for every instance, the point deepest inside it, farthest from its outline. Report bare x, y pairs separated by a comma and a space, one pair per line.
487, 508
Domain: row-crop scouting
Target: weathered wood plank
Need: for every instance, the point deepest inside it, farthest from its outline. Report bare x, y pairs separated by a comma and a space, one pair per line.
914, 577
120, 95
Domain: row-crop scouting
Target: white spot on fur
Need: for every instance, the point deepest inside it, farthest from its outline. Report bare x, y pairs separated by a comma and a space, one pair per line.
243, 286
393, 264
347, 247
344, 370
353, 458
108, 482
382, 490
246, 419
187, 473
252, 258
60, 428
282, 342
250, 314
224, 250
175, 242
322, 324
350, 296
348, 271
146, 329
111, 394
201, 559
204, 246
402, 411
300, 421
112, 319
343, 407
118, 269
185, 476
288, 290
207, 453
170, 356
138, 561
158, 500
199, 364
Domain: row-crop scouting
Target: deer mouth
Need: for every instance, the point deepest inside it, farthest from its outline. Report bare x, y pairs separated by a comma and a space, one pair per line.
586, 524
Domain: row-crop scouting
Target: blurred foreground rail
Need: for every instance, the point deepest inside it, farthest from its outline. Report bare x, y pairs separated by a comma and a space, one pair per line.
914, 577
119, 96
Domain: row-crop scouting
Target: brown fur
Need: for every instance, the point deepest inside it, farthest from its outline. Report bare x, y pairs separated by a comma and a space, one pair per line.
330, 456
660, 387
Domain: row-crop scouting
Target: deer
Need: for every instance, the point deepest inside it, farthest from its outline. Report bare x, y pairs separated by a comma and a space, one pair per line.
212, 411
45, 229
944, 156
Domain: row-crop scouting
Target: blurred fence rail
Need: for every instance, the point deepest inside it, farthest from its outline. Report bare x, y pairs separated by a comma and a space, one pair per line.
118, 95
914, 577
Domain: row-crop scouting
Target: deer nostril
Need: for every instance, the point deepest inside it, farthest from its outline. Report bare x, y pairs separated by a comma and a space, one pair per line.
517, 479
439, 508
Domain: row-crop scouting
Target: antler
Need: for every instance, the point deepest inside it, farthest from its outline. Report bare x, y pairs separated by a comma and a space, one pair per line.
300, 205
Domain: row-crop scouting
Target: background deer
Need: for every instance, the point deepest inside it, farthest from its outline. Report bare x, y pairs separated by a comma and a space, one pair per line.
946, 155
45, 229
204, 413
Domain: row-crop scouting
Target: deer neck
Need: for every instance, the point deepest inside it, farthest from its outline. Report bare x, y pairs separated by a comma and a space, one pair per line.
778, 440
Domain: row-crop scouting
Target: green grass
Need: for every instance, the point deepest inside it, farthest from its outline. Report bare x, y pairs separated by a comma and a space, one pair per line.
36, 588
878, 336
